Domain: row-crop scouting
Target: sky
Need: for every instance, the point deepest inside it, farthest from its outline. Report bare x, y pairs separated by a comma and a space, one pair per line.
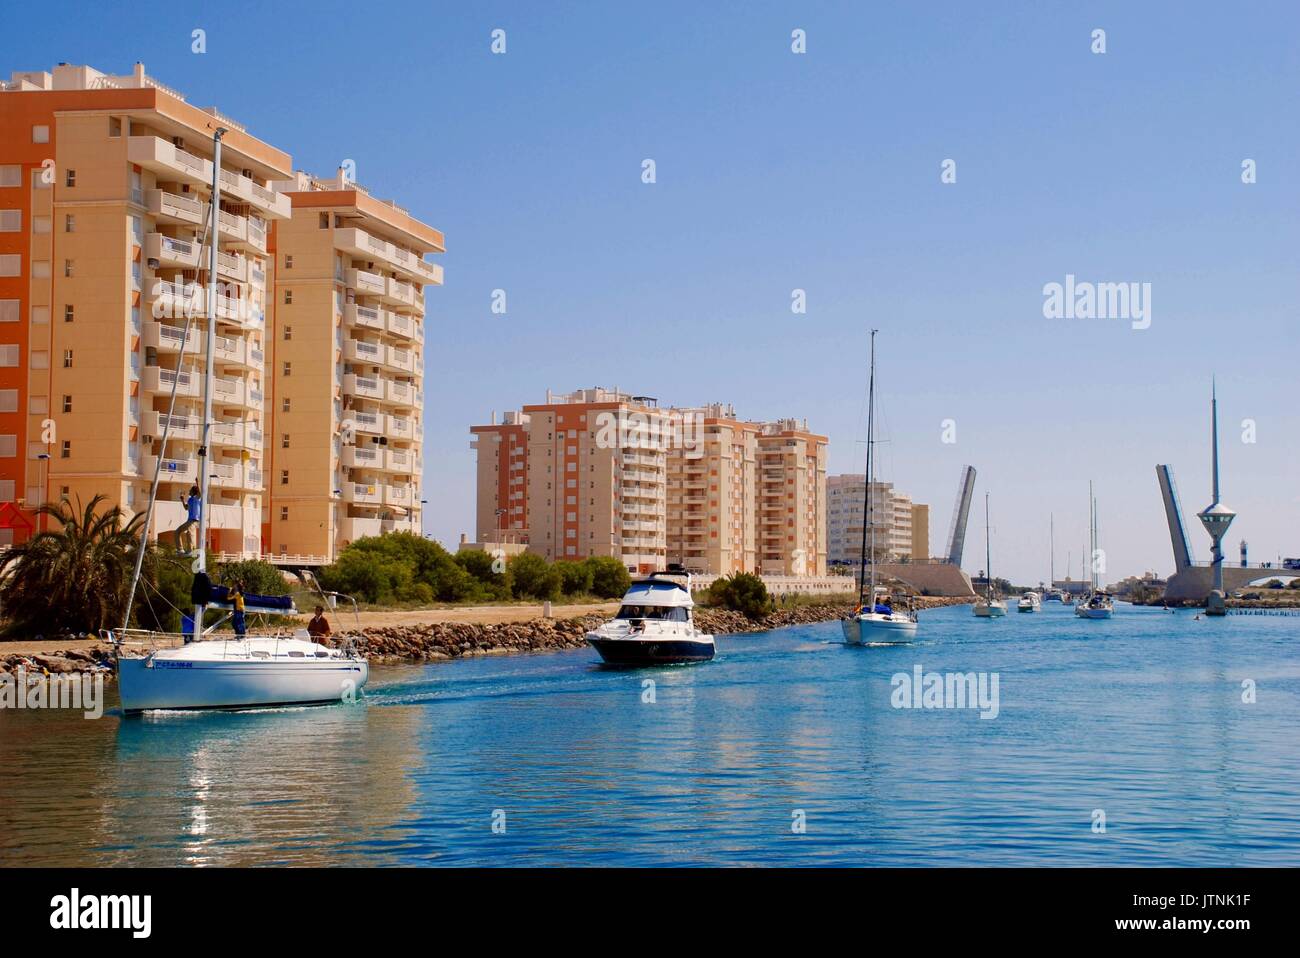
819, 171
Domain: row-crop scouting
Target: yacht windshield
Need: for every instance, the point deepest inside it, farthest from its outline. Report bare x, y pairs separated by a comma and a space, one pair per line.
670, 613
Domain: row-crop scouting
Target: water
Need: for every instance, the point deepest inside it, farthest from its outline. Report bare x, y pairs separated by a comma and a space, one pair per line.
1141, 717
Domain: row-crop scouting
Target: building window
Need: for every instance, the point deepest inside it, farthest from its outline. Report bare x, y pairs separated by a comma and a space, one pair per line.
288, 333
288, 261
8, 400
288, 297
284, 441
284, 477
288, 368
67, 268
284, 404
69, 223
8, 446
9, 310
70, 178
67, 359
11, 174
40, 315
41, 225
11, 221
324, 221
9, 355
40, 134
284, 513
10, 264
66, 451
67, 404
68, 313
114, 126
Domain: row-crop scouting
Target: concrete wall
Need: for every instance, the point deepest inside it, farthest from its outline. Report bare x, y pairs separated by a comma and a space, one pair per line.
1194, 582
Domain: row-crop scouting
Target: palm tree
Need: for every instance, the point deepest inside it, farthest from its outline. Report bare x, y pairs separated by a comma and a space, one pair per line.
74, 578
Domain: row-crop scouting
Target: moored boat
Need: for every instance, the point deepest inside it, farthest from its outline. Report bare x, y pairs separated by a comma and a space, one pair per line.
1030, 602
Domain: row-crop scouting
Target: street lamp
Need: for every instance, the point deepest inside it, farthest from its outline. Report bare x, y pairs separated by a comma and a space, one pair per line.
1216, 517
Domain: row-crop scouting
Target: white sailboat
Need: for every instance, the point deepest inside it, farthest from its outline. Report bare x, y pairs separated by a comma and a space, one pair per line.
206, 673
875, 621
1098, 603
989, 607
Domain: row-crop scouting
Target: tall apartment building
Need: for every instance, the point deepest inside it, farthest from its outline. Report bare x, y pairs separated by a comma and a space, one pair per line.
105, 193
347, 367
599, 472
711, 515
791, 499
902, 527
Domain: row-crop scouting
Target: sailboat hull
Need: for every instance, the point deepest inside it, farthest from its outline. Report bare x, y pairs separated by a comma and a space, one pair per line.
199, 676
986, 610
873, 628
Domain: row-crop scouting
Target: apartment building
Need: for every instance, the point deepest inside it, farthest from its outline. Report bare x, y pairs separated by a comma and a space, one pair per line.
902, 527
105, 199
502, 489
711, 514
347, 367
601, 472
791, 499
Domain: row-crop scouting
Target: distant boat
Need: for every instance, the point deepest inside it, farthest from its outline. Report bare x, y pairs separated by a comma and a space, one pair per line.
875, 620
654, 625
1030, 602
989, 607
1097, 603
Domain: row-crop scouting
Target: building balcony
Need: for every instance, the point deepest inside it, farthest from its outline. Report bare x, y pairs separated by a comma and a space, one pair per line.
183, 428
403, 327
363, 494
363, 457
233, 392
398, 496
170, 162
232, 227
230, 351
167, 338
401, 394
364, 245
256, 242
402, 461
173, 469
367, 354
226, 475
402, 360
399, 294
370, 423
244, 190
365, 386
400, 427
154, 379
170, 252
232, 267
364, 283
175, 208
364, 317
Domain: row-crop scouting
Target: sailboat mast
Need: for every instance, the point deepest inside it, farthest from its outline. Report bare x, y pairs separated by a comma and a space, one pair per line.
868, 529
1051, 545
988, 554
201, 560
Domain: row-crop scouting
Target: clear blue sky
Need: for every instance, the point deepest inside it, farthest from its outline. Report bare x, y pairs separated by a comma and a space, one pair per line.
778, 171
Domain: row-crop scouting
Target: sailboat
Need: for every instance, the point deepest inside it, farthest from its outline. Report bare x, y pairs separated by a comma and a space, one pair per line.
245, 672
1098, 603
875, 621
1052, 594
989, 607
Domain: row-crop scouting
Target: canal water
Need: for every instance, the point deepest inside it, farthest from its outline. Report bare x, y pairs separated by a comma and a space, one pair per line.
786, 750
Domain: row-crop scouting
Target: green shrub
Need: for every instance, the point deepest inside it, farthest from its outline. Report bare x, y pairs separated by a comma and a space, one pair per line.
575, 577
532, 577
492, 585
742, 592
609, 577
253, 575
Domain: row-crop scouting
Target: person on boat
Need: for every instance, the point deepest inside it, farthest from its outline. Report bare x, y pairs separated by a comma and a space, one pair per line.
193, 512
237, 604
883, 606
319, 626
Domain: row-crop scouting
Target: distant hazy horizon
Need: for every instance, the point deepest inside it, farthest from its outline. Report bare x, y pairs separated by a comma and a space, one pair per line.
822, 171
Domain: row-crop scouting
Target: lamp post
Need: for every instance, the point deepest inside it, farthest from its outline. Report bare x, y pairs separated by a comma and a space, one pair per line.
1216, 517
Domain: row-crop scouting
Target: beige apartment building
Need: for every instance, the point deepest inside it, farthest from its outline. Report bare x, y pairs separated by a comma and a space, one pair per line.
347, 367
601, 472
105, 197
902, 527
711, 515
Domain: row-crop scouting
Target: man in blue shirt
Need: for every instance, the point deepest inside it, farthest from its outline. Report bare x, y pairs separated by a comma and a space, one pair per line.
193, 511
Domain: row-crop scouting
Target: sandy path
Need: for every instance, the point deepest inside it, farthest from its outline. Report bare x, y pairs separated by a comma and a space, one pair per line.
342, 619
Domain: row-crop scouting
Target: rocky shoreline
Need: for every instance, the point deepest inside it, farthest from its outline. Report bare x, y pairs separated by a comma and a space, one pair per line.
434, 641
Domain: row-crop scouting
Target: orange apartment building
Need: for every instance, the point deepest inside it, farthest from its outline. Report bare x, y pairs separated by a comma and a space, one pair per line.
600, 472
105, 199
105, 192
347, 367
